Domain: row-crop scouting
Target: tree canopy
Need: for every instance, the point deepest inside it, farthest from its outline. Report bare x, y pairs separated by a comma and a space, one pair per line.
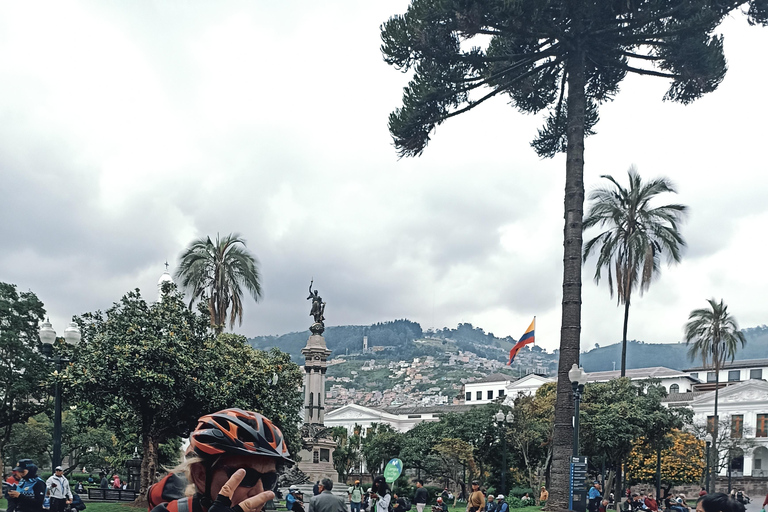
634, 235
563, 57
216, 273
157, 364
23, 369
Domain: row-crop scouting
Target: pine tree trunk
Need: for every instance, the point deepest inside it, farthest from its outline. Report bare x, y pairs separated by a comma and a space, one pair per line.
570, 330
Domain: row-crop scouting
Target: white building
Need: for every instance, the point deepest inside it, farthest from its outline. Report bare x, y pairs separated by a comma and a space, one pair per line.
745, 406
674, 381
731, 372
401, 419
487, 389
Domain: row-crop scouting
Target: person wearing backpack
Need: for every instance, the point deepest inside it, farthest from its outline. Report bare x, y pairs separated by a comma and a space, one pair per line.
355, 497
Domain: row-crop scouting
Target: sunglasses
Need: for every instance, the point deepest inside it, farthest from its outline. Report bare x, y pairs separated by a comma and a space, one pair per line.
252, 477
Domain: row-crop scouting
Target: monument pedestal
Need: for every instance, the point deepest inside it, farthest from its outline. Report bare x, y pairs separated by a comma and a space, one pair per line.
317, 460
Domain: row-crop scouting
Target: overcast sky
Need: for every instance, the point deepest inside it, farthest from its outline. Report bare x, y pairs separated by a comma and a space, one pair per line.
128, 129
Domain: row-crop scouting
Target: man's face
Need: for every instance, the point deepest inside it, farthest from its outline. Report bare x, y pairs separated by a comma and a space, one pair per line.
225, 467
418, 484
23, 473
59, 472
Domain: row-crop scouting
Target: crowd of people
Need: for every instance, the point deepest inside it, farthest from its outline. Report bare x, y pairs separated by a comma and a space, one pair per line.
232, 462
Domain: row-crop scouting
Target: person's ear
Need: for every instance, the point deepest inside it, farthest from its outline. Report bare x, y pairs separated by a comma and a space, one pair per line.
197, 472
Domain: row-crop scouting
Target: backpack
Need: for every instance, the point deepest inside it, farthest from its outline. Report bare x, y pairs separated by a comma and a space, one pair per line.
407, 504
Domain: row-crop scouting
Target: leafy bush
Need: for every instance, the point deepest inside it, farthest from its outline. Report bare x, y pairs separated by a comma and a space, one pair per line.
520, 491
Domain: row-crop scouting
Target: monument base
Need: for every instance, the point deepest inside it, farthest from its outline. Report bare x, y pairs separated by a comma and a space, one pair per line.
316, 460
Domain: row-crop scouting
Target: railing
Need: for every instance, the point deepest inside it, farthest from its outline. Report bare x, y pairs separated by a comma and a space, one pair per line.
760, 472
112, 494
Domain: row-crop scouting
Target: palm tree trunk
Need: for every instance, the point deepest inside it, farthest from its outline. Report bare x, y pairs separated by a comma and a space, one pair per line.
624, 338
714, 457
570, 330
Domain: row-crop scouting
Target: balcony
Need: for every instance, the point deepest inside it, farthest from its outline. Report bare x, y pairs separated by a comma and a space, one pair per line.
762, 473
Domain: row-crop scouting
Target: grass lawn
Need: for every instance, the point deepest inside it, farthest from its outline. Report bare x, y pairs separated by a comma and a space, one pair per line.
462, 507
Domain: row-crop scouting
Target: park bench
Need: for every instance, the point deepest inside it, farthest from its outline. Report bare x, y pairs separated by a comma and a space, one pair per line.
98, 494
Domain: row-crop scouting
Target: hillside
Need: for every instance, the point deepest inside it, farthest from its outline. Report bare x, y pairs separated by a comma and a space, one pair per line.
407, 366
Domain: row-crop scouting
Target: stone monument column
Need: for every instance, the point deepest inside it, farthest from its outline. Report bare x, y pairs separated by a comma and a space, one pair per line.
317, 444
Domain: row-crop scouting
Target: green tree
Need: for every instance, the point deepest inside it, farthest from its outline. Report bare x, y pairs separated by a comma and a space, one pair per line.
456, 458
380, 444
635, 235
567, 57
347, 452
22, 367
713, 335
216, 273
617, 412
156, 366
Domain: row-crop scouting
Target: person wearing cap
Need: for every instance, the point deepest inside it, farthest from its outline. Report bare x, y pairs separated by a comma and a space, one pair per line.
230, 466
30, 491
59, 491
10, 484
501, 505
441, 506
291, 498
476, 500
355, 497
421, 497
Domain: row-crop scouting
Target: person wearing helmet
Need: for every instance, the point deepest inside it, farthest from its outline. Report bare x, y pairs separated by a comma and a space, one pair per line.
230, 466
441, 506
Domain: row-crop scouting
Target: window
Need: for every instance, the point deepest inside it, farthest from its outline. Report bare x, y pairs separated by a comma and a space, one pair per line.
414, 416
711, 425
710, 376
479, 395
756, 374
325, 455
695, 375
501, 392
737, 425
762, 425
315, 456
490, 394
734, 375
674, 388
311, 401
469, 396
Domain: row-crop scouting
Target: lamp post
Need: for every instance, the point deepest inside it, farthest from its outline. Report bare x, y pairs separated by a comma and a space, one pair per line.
708, 440
48, 337
503, 421
578, 378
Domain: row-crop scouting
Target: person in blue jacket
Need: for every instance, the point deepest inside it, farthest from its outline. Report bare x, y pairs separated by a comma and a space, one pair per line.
30, 491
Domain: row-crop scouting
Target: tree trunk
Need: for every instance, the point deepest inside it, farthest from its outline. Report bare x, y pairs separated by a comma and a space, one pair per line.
148, 464
570, 329
624, 338
619, 487
714, 456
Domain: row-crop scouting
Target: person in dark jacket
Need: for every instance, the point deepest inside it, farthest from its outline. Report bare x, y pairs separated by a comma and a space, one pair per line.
30, 491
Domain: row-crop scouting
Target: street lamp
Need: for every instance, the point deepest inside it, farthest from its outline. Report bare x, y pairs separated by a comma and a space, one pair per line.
708, 440
48, 337
500, 420
578, 378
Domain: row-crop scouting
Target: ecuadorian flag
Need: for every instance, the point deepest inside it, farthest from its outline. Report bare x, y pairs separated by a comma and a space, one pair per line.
525, 339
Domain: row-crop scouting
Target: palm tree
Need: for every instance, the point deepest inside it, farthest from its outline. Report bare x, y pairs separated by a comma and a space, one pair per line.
635, 236
217, 273
713, 335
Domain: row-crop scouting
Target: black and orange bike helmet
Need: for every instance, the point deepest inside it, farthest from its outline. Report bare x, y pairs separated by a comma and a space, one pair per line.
238, 432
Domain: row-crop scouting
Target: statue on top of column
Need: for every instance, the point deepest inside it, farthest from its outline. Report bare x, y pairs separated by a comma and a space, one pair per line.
317, 311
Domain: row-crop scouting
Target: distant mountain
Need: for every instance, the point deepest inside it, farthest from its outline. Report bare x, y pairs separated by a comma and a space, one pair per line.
671, 355
398, 338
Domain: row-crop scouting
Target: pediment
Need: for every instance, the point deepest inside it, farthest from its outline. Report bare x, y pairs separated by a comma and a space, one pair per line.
353, 412
747, 391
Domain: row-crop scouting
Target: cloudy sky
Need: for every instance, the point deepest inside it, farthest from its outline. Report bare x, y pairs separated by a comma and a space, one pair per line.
128, 129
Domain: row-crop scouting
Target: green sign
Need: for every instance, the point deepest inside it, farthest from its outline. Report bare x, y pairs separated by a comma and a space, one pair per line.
393, 470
